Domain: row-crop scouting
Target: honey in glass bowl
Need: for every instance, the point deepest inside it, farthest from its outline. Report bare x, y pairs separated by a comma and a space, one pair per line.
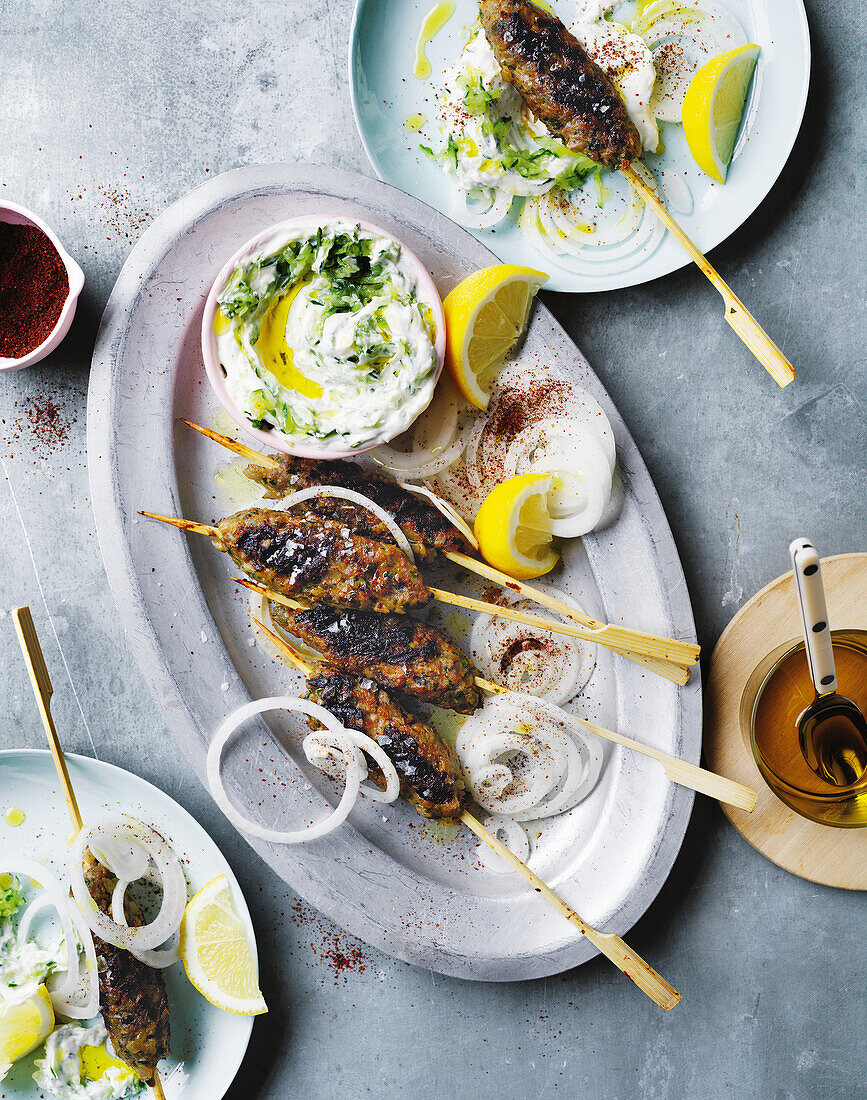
785, 692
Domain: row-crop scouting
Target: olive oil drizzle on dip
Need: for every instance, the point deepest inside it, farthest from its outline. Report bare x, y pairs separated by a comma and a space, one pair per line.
323, 336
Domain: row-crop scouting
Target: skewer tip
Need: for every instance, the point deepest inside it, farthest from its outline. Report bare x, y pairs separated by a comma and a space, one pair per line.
183, 524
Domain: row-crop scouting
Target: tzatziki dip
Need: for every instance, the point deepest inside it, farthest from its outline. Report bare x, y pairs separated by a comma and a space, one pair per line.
324, 337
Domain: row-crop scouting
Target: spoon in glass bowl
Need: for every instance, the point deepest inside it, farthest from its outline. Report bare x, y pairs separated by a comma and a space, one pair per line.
832, 731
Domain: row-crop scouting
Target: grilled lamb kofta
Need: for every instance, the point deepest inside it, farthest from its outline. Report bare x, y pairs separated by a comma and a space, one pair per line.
429, 771
396, 651
426, 528
563, 88
320, 560
132, 996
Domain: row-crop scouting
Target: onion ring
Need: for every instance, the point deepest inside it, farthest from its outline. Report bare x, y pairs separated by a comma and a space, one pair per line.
562, 766
353, 756
319, 751
516, 840
530, 659
356, 498
76, 979
174, 885
429, 458
157, 958
448, 510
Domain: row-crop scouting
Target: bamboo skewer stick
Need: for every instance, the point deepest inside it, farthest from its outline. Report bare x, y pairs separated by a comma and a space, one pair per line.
678, 771
43, 690
613, 947
495, 610
656, 653
736, 314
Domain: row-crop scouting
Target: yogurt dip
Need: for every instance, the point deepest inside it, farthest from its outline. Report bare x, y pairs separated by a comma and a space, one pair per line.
325, 336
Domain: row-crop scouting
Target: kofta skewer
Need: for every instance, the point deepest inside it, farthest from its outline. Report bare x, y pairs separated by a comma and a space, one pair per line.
666, 656
132, 996
391, 677
321, 561
580, 106
613, 947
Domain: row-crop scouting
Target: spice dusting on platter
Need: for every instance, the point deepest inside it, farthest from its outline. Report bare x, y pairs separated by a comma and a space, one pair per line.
34, 287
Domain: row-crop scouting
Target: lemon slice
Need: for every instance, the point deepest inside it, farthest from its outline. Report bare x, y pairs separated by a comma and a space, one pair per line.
24, 1026
713, 106
485, 315
513, 527
216, 954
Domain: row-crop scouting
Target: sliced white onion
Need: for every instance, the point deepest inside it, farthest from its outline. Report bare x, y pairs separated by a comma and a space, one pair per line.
513, 836
356, 498
562, 759
554, 668
353, 757
320, 748
582, 488
157, 958
168, 867
481, 207
564, 227
698, 30
447, 510
429, 456
75, 994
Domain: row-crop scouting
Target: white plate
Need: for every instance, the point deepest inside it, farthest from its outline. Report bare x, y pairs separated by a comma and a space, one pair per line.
382, 876
385, 93
207, 1044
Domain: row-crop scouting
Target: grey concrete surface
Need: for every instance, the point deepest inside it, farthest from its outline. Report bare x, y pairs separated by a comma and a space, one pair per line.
110, 112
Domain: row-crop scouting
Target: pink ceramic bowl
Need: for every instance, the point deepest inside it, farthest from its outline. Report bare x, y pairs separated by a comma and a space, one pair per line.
13, 214
427, 293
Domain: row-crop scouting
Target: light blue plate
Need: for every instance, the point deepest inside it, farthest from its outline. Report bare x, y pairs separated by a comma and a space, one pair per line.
207, 1043
385, 93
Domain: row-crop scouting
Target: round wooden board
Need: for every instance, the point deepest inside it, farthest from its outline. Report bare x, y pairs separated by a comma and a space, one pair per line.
833, 857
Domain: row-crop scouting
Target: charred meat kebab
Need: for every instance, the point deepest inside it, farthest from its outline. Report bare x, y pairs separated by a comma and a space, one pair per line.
575, 99
132, 996
396, 651
429, 771
321, 560
426, 528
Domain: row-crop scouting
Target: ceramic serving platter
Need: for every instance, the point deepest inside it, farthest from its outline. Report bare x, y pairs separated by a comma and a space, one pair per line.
385, 94
401, 884
207, 1043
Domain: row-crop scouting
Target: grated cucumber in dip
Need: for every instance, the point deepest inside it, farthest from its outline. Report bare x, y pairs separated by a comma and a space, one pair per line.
323, 337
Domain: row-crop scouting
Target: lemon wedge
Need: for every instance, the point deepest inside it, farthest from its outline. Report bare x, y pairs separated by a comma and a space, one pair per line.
713, 106
24, 1026
216, 954
513, 527
485, 315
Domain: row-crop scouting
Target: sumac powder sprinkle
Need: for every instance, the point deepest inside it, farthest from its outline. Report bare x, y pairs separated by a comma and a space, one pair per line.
33, 288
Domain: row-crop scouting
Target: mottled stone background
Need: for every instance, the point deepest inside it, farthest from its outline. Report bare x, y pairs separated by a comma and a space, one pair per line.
111, 111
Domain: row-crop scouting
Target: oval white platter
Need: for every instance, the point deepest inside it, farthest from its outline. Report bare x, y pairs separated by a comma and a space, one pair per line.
386, 876
207, 1043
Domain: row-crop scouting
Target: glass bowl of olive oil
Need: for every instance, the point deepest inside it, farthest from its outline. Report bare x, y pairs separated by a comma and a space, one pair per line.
776, 695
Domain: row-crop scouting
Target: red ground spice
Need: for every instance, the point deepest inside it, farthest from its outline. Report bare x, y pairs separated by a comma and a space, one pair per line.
34, 286
41, 426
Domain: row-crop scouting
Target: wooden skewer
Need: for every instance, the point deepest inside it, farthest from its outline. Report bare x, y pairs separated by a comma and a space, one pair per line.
613, 947
495, 610
619, 638
653, 652
737, 315
677, 770
43, 690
